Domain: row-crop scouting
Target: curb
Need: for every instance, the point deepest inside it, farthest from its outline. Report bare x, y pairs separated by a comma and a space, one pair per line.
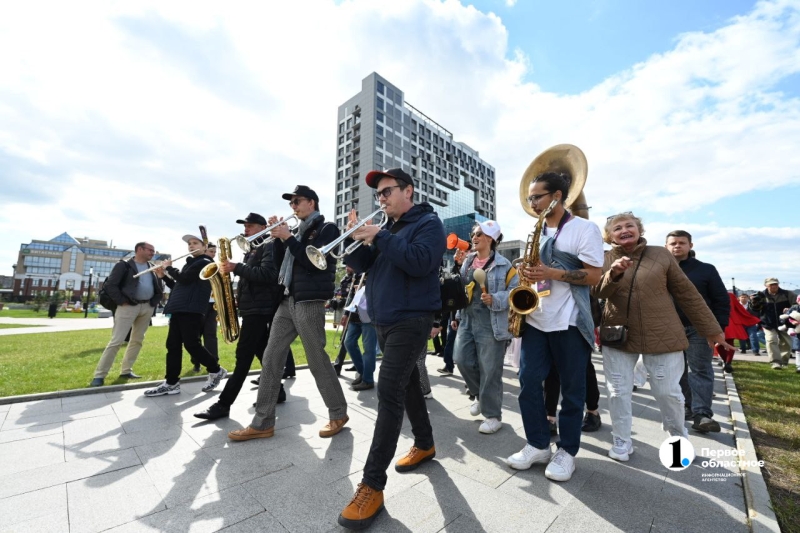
756, 497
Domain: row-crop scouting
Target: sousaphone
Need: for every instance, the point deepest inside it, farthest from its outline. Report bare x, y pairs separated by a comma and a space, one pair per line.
564, 158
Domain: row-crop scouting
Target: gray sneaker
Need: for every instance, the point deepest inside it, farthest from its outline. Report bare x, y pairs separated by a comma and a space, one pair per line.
705, 424
214, 379
164, 389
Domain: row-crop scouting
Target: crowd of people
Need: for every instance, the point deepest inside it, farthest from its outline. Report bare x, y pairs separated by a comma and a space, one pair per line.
636, 300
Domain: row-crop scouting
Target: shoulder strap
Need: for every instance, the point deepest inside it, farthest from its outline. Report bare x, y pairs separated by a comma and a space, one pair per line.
630, 292
511, 273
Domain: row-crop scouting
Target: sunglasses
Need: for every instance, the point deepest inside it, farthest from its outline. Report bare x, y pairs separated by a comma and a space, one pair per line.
385, 192
296, 201
477, 234
533, 198
623, 214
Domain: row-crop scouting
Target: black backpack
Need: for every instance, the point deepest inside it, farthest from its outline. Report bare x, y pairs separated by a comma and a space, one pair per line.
454, 296
104, 298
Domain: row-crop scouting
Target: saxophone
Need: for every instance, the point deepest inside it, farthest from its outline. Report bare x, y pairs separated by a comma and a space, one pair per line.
523, 299
222, 290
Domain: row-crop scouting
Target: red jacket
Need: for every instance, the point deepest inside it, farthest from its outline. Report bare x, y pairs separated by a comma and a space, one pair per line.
739, 319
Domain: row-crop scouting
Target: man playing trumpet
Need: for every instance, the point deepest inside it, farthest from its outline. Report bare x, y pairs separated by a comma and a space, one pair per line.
301, 312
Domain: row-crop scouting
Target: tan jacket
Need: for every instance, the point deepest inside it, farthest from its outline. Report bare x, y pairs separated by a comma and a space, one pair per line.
653, 324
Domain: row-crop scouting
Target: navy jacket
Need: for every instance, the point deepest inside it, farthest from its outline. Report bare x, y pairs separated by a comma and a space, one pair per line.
705, 277
402, 266
189, 293
258, 292
308, 282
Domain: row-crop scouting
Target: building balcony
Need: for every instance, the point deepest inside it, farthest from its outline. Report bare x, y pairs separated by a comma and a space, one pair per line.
438, 201
447, 183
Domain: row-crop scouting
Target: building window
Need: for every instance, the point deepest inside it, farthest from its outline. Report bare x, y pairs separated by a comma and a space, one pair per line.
341, 152
341, 139
379, 104
341, 127
380, 87
349, 123
339, 186
341, 162
379, 117
379, 130
379, 143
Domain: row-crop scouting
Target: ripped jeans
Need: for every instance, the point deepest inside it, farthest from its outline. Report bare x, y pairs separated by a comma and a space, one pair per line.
665, 371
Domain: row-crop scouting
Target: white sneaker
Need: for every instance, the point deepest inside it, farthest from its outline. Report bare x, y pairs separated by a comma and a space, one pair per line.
561, 466
490, 425
214, 379
523, 459
163, 389
621, 450
428, 396
475, 408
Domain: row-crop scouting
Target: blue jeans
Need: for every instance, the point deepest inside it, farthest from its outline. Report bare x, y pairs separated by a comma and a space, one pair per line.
697, 382
752, 334
570, 353
399, 392
365, 365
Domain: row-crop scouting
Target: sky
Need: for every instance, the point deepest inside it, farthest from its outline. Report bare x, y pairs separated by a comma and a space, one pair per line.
130, 121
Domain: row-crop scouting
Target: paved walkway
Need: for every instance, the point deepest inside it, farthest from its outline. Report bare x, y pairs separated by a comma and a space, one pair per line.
118, 461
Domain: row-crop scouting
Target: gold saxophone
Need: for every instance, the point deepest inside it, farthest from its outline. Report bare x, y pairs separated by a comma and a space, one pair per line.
222, 290
523, 299
563, 158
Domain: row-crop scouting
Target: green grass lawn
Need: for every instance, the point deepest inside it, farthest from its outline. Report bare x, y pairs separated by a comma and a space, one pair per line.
44, 362
771, 401
30, 313
9, 326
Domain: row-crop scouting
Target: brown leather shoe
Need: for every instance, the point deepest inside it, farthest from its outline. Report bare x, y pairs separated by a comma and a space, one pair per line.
365, 506
333, 427
250, 433
414, 458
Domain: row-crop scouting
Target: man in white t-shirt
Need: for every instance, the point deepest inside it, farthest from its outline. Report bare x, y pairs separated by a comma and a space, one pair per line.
560, 332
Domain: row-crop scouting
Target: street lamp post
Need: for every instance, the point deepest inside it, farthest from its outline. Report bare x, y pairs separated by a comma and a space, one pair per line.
88, 294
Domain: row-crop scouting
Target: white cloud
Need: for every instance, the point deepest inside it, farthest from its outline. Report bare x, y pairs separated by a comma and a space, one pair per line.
131, 121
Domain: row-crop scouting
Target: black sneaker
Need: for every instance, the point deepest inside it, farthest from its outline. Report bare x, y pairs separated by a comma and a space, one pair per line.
591, 422
196, 368
217, 410
130, 375
350, 368
445, 371
282, 395
704, 424
363, 386
728, 368
553, 428
256, 381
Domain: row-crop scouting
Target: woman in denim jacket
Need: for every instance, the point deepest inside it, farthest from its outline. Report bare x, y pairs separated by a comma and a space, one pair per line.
482, 327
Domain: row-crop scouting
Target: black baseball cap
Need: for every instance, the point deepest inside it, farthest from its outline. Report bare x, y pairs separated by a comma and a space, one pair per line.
253, 218
302, 190
374, 177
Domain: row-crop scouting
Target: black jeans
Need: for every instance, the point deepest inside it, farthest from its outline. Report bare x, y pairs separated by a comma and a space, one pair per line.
184, 331
288, 369
398, 392
210, 333
450, 342
253, 338
552, 390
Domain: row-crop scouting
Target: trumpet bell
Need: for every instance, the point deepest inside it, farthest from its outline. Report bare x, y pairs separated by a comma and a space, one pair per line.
317, 257
523, 300
243, 243
564, 158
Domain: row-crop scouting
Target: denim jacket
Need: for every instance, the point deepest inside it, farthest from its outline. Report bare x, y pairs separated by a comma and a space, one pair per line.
496, 286
581, 293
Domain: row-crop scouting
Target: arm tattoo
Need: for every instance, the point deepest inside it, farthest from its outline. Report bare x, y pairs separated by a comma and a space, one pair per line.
576, 277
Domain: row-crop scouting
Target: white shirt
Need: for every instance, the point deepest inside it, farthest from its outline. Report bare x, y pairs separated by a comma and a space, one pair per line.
558, 311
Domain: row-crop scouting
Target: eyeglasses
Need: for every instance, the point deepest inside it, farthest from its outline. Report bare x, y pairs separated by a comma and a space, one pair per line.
385, 192
624, 214
296, 201
533, 198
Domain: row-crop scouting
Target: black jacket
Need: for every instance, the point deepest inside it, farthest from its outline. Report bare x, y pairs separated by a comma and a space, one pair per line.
258, 292
308, 282
705, 277
773, 306
121, 285
189, 294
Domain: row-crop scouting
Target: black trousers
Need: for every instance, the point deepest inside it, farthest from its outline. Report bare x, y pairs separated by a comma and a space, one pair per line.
210, 333
399, 392
552, 389
184, 331
253, 339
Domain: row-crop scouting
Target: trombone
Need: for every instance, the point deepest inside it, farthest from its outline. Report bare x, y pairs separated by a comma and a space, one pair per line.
254, 241
317, 255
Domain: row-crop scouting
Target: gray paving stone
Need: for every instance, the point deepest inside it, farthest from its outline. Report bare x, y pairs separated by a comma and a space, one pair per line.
22, 455
206, 514
57, 474
413, 511
102, 502
261, 523
151, 422
30, 433
87, 437
35, 408
5, 407
36, 512
26, 421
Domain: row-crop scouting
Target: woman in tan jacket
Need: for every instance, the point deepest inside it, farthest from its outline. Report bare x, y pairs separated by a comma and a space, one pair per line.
639, 284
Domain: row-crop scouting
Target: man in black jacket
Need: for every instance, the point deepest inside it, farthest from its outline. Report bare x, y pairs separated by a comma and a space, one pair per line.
135, 298
187, 304
698, 375
257, 297
301, 312
772, 303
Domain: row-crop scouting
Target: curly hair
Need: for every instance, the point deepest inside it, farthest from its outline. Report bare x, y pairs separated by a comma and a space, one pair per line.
610, 221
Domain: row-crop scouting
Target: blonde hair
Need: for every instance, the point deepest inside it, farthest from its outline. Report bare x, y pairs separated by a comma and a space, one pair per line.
610, 221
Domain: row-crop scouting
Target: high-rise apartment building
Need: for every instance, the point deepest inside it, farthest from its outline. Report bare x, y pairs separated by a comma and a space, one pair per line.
379, 130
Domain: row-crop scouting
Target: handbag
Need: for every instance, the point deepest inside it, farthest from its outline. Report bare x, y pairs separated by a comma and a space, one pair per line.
615, 336
453, 293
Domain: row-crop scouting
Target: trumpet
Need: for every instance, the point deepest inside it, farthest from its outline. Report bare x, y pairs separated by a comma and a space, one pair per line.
258, 239
156, 267
317, 255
